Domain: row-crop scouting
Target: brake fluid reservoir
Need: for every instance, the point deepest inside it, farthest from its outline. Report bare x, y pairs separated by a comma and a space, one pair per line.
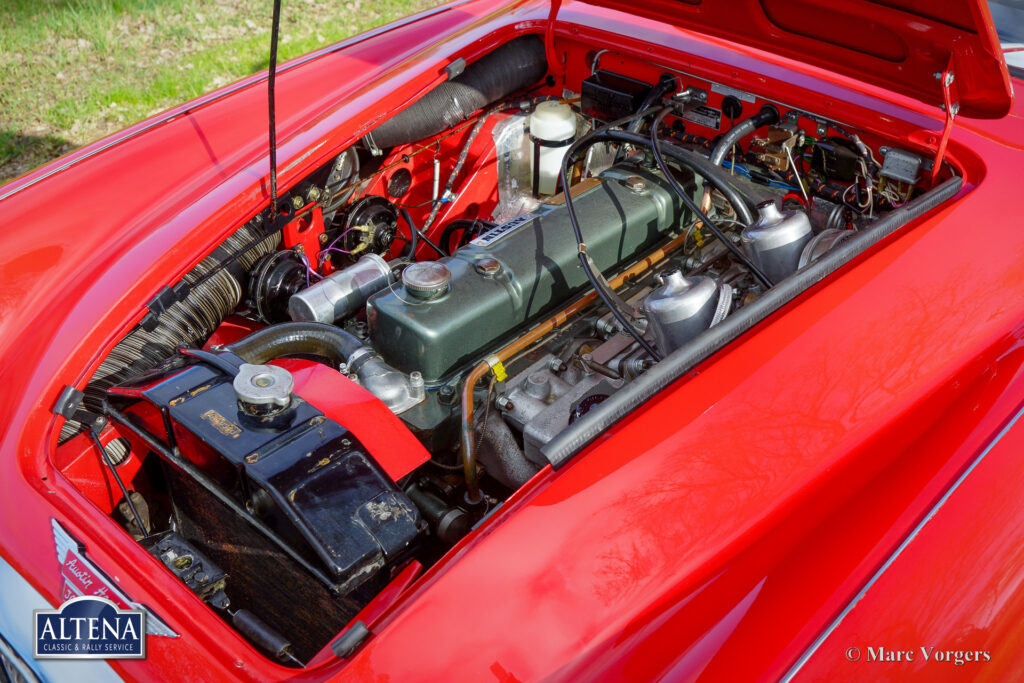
552, 130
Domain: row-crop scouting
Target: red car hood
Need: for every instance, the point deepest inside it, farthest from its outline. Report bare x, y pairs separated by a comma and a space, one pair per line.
898, 44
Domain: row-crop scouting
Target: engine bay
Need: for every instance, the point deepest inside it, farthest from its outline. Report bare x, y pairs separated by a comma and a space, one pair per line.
360, 375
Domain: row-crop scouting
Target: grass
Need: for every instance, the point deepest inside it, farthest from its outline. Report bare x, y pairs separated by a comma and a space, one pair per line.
73, 71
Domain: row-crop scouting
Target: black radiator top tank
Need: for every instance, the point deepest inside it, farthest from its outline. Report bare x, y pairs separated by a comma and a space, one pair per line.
304, 480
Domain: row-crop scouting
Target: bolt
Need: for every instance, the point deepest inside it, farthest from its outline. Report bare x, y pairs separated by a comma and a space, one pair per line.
416, 378
446, 395
538, 385
323, 238
488, 266
504, 403
636, 184
556, 365
313, 194
297, 202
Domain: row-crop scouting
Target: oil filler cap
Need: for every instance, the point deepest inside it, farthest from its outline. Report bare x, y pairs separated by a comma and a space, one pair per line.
263, 389
427, 279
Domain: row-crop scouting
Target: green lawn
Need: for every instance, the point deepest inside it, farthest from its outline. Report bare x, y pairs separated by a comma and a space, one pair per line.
72, 71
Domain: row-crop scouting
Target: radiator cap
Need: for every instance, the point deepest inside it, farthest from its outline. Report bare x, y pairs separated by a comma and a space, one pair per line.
263, 387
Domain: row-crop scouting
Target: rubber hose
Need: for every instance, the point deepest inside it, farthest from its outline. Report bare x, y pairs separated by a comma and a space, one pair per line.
666, 84
601, 286
681, 191
294, 339
714, 174
414, 236
513, 66
766, 117
417, 235
470, 227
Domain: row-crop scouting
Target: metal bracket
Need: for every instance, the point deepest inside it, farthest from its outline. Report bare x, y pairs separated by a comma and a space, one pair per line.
690, 95
372, 146
455, 69
68, 402
69, 406
165, 298
951, 108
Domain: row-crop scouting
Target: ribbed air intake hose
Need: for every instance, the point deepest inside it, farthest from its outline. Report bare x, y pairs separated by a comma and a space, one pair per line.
188, 322
513, 66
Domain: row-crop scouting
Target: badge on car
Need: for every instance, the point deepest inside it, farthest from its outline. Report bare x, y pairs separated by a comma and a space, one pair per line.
83, 578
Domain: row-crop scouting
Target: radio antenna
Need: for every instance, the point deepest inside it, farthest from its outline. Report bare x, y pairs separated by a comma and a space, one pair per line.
271, 77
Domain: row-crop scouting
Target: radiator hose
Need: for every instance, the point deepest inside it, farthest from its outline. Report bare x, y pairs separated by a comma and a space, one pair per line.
296, 339
395, 389
501, 72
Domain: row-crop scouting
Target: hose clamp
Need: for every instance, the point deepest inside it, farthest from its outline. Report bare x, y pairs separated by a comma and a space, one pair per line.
552, 143
497, 368
359, 358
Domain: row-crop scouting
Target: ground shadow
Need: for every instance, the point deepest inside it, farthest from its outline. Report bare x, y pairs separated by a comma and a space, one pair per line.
20, 153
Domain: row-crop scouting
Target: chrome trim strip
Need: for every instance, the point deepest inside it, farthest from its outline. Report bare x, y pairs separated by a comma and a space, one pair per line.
805, 657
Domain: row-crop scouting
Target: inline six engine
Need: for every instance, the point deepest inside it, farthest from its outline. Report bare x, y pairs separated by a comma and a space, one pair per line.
339, 392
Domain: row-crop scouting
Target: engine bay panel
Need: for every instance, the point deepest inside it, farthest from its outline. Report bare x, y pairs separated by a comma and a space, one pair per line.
348, 385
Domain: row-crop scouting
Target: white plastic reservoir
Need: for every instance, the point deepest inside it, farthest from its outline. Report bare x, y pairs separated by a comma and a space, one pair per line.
550, 122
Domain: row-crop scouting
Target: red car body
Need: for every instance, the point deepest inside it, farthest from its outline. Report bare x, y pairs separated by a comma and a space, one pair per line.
843, 477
